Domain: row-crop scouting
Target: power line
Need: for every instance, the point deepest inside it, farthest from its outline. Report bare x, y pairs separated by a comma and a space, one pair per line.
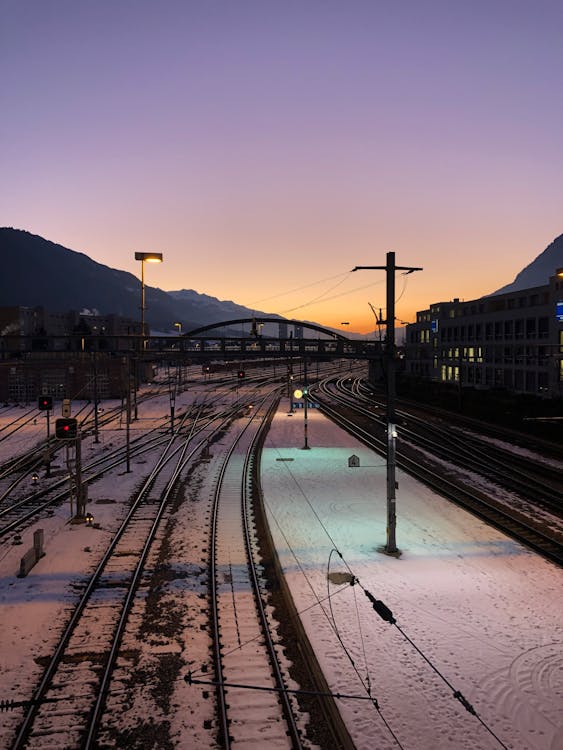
387, 615
327, 299
298, 289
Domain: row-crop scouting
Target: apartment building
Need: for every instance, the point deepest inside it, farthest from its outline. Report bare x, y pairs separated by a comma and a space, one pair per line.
512, 341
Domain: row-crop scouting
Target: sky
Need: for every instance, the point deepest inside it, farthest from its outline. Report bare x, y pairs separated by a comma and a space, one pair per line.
266, 148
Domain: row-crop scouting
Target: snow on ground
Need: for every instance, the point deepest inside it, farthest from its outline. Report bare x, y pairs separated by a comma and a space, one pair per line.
505, 497
518, 450
33, 609
484, 610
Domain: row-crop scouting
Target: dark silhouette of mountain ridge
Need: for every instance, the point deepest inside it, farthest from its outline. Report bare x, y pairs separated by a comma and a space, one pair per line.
538, 272
37, 272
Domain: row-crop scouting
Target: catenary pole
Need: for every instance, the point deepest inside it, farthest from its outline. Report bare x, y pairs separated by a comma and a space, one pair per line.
390, 268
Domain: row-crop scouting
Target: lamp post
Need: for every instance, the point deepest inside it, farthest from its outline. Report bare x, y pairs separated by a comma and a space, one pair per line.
179, 327
149, 258
304, 394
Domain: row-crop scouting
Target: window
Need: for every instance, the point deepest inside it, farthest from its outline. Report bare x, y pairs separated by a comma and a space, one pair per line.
530, 328
530, 382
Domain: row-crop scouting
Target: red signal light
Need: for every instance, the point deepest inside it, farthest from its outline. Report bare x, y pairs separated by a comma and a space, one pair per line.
66, 429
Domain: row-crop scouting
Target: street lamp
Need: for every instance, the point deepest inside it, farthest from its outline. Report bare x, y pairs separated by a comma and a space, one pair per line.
304, 394
179, 327
149, 258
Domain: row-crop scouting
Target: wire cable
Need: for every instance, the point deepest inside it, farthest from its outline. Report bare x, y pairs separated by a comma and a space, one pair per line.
335, 626
332, 623
386, 614
297, 289
327, 299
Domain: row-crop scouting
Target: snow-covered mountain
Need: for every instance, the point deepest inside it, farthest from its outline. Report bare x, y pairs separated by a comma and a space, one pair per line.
537, 273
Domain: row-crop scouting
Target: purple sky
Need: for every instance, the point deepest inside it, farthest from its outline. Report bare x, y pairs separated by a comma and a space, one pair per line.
266, 148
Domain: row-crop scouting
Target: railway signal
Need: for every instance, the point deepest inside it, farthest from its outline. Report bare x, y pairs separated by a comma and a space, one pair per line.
241, 374
45, 403
66, 428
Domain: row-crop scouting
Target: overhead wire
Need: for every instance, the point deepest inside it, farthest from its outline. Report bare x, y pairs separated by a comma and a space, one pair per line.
298, 289
327, 299
366, 685
336, 630
327, 291
386, 614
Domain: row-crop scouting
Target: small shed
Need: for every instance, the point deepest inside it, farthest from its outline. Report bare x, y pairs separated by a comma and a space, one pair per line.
354, 461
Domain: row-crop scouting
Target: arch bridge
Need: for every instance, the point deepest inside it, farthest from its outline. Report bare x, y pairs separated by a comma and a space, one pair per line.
201, 344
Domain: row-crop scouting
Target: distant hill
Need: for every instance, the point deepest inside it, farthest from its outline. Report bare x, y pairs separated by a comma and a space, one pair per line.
37, 272
213, 309
538, 272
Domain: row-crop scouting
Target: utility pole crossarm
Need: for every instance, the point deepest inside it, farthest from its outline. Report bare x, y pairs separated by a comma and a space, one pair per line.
410, 269
390, 268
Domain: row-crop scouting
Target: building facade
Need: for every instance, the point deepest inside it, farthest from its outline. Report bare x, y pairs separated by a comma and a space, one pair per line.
512, 341
36, 329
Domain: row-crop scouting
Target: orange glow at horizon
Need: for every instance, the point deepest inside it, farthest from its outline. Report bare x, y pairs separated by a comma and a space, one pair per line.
266, 149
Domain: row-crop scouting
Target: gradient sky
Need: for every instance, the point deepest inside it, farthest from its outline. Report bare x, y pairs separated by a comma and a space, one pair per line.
266, 148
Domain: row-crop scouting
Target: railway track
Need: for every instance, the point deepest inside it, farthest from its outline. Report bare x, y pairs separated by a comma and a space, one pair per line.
360, 422
244, 650
535, 480
16, 513
538, 461
68, 703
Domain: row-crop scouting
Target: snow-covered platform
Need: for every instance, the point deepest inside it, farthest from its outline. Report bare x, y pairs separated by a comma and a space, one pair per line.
485, 611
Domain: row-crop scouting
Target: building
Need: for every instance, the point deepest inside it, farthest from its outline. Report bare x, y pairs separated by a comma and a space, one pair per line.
74, 375
36, 329
66, 355
512, 341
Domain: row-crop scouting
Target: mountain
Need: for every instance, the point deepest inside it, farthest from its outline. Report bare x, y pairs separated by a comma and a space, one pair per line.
37, 272
213, 309
538, 272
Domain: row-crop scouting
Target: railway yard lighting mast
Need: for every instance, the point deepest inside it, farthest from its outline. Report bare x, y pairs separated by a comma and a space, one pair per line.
390, 268
145, 258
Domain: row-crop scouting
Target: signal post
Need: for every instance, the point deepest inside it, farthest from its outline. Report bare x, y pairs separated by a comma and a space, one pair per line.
45, 403
66, 428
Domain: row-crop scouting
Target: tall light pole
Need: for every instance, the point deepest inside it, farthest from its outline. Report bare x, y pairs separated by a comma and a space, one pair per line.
390, 268
148, 258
